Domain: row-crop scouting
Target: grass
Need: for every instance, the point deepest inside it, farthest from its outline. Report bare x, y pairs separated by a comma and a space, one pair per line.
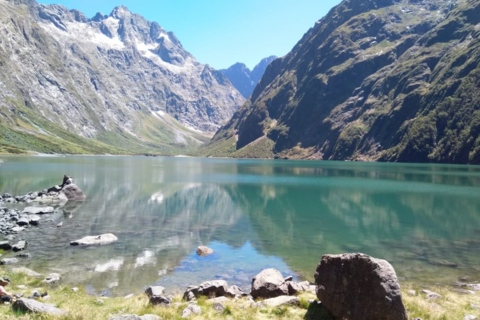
82, 306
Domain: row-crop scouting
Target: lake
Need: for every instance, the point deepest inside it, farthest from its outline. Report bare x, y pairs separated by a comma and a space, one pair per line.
423, 218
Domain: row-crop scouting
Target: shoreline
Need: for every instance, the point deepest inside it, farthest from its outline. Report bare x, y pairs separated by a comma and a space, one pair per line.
436, 302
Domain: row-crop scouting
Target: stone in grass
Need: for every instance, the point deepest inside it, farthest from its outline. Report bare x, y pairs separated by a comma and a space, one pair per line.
282, 301
431, 295
190, 310
135, 317
156, 296
52, 278
34, 306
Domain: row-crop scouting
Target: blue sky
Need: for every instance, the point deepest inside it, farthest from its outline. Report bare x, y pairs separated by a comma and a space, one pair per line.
222, 32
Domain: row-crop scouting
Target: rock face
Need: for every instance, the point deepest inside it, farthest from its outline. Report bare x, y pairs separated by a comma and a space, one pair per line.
113, 83
95, 240
356, 286
245, 80
372, 80
30, 305
269, 283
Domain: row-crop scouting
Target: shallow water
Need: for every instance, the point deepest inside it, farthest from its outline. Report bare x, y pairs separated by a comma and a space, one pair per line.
424, 219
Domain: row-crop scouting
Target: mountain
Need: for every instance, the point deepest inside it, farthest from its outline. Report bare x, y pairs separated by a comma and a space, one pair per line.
245, 80
374, 80
115, 83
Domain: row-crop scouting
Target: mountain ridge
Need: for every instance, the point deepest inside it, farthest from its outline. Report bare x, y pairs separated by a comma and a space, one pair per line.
370, 81
245, 79
115, 83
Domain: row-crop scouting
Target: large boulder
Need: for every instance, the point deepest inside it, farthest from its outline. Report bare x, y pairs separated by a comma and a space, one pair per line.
214, 288
95, 240
357, 286
73, 192
269, 283
30, 305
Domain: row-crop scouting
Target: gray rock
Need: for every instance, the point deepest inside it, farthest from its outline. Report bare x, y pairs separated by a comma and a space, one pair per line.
34, 219
125, 317
218, 306
9, 261
235, 292
154, 291
5, 245
18, 229
214, 288
282, 301
474, 286
135, 317
52, 278
218, 300
269, 283
156, 296
30, 305
470, 317
293, 288
357, 286
38, 210
95, 240
431, 295
19, 246
23, 221
73, 192
191, 309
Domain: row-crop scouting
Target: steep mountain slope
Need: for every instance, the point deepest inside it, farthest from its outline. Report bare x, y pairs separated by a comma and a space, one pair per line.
245, 80
113, 83
388, 80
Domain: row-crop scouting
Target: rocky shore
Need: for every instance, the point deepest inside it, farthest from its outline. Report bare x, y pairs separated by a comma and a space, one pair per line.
14, 221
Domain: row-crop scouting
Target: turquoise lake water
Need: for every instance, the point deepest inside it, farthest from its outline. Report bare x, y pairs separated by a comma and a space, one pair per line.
424, 219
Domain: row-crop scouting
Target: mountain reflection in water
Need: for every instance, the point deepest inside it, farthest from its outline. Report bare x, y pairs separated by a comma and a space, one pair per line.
254, 214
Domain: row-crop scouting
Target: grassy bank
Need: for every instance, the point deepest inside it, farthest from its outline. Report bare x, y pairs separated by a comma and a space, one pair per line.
82, 306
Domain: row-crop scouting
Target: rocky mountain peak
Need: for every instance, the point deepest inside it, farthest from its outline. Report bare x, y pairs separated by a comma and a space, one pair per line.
245, 80
120, 12
125, 80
